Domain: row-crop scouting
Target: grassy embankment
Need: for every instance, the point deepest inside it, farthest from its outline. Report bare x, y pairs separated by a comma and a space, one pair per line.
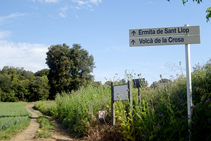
14, 118
161, 116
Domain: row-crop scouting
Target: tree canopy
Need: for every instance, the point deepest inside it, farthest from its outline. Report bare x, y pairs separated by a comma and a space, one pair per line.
17, 84
69, 68
208, 11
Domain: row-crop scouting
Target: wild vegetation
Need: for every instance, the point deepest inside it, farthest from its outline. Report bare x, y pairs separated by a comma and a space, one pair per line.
46, 127
161, 115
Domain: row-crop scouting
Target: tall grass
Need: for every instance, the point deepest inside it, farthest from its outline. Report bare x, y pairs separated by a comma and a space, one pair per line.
162, 114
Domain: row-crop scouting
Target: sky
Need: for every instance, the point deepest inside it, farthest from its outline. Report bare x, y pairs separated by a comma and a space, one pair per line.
29, 27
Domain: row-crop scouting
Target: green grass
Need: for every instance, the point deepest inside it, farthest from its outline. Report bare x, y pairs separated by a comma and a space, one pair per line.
14, 118
14, 130
8, 122
13, 109
161, 116
47, 107
46, 127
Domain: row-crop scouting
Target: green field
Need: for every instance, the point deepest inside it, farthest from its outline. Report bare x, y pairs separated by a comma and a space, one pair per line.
13, 118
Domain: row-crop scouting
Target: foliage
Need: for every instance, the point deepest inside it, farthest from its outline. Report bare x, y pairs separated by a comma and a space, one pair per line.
208, 11
97, 83
45, 129
47, 107
42, 72
141, 81
161, 114
79, 110
39, 88
157, 84
20, 85
69, 68
14, 130
107, 83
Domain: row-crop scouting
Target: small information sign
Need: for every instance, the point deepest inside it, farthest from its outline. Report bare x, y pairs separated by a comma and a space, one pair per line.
101, 114
120, 91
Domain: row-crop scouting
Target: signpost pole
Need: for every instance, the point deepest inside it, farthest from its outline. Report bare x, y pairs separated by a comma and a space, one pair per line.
189, 84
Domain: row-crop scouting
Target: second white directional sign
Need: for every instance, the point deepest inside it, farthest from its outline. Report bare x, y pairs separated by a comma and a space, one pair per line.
164, 36
172, 40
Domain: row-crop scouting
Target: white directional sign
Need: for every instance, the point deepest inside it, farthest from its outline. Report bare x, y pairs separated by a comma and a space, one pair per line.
165, 36
165, 40
164, 31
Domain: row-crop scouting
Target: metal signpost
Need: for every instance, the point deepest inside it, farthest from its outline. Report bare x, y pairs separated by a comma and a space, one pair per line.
170, 36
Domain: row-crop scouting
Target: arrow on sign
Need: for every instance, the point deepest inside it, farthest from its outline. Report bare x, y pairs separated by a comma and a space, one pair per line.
133, 42
133, 32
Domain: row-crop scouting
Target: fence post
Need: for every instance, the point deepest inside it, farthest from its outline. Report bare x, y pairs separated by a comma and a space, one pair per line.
130, 95
139, 96
112, 104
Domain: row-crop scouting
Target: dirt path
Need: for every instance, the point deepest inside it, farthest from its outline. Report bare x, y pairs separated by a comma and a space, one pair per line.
60, 133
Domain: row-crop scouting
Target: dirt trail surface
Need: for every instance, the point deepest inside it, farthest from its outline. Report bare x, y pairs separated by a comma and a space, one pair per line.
60, 133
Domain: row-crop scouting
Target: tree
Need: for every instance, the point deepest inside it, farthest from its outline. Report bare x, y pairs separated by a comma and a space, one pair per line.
69, 68
42, 72
157, 84
5, 83
39, 89
164, 80
107, 83
97, 83
18, 84
208, 11
7, 94
123, 81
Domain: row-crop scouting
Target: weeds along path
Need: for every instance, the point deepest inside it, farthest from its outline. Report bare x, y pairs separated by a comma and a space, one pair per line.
60, 133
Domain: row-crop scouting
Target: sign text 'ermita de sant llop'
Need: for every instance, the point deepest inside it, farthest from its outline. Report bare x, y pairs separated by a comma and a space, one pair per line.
164, 36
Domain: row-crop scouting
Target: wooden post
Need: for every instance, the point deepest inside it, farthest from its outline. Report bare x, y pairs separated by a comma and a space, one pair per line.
139, 96
112, 104
130, 95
